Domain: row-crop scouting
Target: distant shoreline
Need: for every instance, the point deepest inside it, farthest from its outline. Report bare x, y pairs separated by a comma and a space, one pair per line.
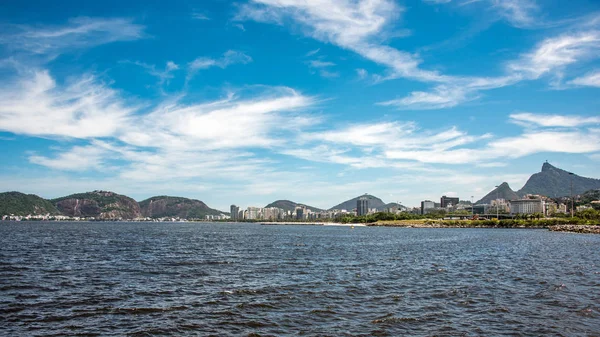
571, 228
283, 223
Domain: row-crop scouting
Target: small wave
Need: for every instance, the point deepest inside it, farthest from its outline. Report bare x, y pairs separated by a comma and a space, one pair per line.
323, 311
249, 324
588, 311
11, 310
394, 320
499, 309
216, 262
142, 310
255, 305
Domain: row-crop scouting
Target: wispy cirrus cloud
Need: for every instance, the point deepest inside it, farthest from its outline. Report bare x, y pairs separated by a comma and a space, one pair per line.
34, 104
323, 68
406, 145
528, 119
198, 15
229, 57
519, 13
227, 123
556, 53
551, 57
591, 79
312, 52
153, 140
162, 75
77, 158
78, 33
361, 27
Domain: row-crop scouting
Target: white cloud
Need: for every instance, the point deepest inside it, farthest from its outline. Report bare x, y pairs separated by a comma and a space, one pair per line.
81, 32
320, 64
84, 108
229, 57
591, 79
361, 26
162, 75
213, 140
442, 97
581, 141
229, 123
312, 52
556, 53
200, 16
545, 120
404, 144
322, 67
358, 26
78, 158
549, 58
520, 13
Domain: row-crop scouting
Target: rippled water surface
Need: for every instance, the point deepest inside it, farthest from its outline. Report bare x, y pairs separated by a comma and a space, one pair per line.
144, 279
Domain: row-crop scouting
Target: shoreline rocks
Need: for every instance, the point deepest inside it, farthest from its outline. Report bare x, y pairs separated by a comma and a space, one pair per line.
582, 229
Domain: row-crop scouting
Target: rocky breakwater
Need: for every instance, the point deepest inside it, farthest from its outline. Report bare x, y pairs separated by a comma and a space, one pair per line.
583, 229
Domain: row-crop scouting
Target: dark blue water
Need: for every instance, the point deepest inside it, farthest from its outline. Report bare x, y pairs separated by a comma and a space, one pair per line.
143, 279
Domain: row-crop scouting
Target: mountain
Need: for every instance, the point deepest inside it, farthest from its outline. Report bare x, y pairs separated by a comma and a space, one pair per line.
18, 203
176, 207
290, 205
501, 192
349, 205
391, 205
98, 204
554, 182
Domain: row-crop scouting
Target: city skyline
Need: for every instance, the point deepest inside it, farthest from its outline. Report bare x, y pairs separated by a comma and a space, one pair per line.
256, 101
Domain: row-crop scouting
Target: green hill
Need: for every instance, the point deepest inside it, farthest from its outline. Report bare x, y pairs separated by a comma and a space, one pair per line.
290, 205
98, 204
167, 206
17, 203
349, 205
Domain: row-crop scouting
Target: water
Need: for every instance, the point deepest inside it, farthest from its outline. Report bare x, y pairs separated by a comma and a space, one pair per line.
143, 279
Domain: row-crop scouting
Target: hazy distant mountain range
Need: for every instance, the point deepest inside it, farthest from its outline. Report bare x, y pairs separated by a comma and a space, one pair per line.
551, 181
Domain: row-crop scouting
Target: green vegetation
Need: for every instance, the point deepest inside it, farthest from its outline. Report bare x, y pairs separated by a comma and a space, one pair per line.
102, 198
288, 205
176, 207
586, 217
380, 216
374, 202
17, 203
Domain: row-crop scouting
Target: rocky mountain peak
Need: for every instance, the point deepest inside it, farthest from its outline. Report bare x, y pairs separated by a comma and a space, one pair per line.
547, 167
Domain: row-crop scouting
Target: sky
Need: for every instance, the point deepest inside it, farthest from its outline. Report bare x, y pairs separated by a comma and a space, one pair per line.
313, 101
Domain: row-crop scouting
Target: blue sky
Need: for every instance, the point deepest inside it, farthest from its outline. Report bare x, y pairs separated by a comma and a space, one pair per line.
314, 101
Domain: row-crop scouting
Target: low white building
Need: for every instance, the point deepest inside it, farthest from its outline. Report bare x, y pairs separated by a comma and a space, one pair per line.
527, 206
